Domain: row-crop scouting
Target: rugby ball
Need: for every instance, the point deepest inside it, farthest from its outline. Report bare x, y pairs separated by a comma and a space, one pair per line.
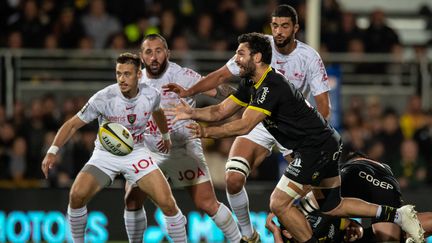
116, 138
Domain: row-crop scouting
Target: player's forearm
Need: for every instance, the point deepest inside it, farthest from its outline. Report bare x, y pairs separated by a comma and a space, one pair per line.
323, 105
161, 121
211, 81
324, 111
66, 131
234, 128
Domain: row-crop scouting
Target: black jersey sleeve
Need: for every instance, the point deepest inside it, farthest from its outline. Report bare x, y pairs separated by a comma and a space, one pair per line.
243, 94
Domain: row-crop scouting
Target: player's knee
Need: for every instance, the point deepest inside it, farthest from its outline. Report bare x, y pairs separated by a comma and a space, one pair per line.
209, 206
134, 199
238, 170
77, 198
278, 205
331, 200
234, 182
168, 206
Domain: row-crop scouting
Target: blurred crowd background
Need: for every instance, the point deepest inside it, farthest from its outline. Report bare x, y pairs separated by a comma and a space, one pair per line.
400, 136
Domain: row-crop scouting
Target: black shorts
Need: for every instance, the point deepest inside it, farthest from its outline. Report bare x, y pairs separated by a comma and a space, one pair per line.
362, 183
310, 166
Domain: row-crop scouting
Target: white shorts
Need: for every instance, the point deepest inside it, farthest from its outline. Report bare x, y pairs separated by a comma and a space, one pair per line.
185, 164
261, 136
132, 166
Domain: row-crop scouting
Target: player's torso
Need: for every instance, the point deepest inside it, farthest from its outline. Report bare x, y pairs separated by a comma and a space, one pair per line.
293, 122
182, 77
132, 113
295, 66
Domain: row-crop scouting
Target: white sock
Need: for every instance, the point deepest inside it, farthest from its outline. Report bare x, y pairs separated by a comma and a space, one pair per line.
135, 223
77, 219
240, 205
176, 227
225, 221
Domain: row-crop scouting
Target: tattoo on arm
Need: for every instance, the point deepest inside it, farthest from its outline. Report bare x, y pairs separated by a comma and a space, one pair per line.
224, 90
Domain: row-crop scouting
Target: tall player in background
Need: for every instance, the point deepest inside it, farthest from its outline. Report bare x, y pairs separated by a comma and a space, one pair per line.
303, 67
184, 166
130, 104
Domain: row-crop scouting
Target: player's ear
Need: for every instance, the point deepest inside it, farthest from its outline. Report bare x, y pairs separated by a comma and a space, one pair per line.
258, 57
296, 28
139, 74
168, 53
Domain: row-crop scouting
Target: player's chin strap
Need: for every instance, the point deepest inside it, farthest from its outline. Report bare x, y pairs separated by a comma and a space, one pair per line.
238, 164
307, 205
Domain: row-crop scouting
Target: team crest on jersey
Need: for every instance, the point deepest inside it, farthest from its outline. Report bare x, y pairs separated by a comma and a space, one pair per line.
131, 118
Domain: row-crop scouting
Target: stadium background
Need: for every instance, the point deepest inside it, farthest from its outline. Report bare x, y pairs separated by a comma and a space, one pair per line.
53, 57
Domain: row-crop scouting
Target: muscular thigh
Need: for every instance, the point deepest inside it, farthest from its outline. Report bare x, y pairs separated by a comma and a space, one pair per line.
155, 186
249, 150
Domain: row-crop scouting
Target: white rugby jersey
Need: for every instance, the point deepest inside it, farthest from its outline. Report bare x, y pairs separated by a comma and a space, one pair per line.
109, 104
303, 67
182, 76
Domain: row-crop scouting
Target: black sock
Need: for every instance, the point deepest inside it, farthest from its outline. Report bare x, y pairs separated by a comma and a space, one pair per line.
387, 214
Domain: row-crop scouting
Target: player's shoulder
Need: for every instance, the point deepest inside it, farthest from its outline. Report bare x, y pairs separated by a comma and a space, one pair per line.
275, 78
107, 92
307, 50
147, 89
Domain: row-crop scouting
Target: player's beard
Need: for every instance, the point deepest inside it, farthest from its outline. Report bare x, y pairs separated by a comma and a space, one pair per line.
156, 72
284, 43
248, 70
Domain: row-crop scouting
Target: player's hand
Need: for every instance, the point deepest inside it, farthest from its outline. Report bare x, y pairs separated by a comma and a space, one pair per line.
353, 232
164, 146
271, 226
48, 163
179, 90
196, 130
181, 111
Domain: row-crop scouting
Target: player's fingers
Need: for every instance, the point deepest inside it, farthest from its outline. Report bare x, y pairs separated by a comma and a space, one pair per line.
184, 103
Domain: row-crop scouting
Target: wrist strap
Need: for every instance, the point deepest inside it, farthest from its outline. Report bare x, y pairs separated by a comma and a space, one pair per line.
166, 136
53, 150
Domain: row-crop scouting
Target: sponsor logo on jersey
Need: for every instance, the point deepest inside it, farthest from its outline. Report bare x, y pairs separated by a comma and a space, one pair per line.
131, 118
374, 181
296, 163
280, 62
130, 107
264, 93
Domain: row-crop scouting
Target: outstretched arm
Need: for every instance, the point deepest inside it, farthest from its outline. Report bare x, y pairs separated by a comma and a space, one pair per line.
159, 117
241, 126
63, 135
211, 81
208, 114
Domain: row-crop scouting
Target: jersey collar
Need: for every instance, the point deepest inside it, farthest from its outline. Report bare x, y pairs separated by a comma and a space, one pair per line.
262, 77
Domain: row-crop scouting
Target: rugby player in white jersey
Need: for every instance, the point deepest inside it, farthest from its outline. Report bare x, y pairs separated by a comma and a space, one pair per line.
303, 67
184, 166
131, 104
